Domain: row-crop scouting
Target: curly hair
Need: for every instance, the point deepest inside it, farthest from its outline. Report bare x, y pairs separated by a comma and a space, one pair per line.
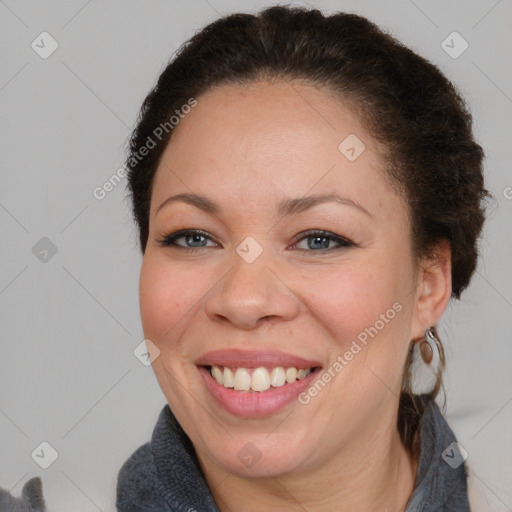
415, 114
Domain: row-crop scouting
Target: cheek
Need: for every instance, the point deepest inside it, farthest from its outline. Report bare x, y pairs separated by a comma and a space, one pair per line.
167, 295
348, 299
365, 309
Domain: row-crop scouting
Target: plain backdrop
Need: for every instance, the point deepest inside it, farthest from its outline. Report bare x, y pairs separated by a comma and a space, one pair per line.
69, 269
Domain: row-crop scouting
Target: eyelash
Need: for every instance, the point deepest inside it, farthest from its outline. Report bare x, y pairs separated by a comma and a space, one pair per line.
170, 239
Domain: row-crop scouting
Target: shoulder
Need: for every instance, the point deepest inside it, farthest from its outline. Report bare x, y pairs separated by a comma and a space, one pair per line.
138, 484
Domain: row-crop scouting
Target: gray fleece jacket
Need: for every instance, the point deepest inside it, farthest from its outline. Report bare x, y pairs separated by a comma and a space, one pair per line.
164, 475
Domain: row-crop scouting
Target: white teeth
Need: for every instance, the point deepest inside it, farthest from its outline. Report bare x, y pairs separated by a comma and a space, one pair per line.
304, 373
229, 379
242, 380
260, 380
291, 374
217, 374
277, 377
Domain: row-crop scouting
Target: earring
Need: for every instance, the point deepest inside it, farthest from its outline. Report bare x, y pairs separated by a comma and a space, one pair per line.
427, 363
428, 344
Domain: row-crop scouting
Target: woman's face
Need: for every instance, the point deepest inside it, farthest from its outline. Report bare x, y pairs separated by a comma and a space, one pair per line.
258, 169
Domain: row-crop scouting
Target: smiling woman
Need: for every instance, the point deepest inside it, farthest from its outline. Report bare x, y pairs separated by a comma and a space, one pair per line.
326, 176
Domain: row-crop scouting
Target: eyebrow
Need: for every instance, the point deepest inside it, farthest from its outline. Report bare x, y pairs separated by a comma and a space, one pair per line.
285, 207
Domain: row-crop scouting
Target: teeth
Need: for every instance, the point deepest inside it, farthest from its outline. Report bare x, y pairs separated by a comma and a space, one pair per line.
301, 374
229, 379
291, 374
242, 380
217, 374
277, 377
259, 380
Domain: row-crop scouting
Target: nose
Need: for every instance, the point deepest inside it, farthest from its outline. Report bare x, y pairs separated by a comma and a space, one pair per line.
251, 293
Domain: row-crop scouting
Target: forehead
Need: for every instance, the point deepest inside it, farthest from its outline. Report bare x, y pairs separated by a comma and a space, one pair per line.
266, 138
271, 113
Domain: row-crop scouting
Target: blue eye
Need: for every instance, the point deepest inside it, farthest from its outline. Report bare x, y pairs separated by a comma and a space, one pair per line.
193, 239
321, 240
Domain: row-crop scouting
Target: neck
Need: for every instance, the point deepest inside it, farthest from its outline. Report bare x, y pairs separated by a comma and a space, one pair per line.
370, 474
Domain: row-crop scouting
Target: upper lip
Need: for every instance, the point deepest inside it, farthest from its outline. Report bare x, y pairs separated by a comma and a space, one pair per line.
254, 358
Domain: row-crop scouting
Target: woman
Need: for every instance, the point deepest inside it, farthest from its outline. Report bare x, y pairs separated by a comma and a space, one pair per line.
309, 196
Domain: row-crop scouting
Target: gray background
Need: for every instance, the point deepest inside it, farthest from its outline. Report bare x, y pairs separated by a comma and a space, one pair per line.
70, 324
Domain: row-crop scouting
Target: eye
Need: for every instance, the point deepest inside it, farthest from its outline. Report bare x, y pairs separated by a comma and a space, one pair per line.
191, 239
321, 240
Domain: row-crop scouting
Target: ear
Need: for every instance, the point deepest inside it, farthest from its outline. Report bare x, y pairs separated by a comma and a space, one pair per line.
31, 501
32, 493
434, 289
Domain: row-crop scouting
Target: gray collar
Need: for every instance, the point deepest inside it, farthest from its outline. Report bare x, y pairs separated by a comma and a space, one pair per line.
441, 481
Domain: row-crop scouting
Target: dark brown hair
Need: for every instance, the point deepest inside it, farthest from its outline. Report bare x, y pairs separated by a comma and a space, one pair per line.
410, 108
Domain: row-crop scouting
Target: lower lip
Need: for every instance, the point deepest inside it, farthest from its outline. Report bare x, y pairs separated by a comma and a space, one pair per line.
257, 404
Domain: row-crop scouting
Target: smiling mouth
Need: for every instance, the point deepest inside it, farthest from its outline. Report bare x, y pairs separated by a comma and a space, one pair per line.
257, 380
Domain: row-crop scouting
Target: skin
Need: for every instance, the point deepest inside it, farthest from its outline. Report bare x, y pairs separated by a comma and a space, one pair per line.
247, 148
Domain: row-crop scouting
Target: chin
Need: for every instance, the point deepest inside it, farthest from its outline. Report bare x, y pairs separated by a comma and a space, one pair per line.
264, 454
